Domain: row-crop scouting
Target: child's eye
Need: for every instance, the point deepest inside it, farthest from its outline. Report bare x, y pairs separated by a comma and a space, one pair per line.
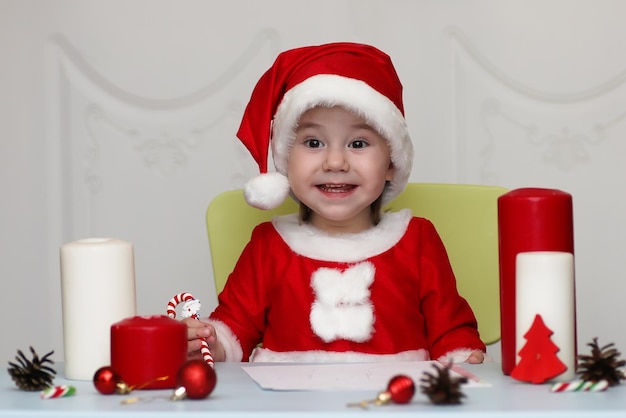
358, 143
312, 143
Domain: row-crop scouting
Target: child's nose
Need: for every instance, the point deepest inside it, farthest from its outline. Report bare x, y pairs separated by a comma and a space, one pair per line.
335, 161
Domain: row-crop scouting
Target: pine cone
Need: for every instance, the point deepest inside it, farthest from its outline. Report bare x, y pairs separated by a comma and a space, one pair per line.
602, 364
32, 374
443, 389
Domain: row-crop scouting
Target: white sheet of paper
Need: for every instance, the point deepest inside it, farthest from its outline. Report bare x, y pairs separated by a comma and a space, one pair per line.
345, 376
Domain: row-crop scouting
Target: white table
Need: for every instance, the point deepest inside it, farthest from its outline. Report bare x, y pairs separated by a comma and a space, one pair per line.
236, 395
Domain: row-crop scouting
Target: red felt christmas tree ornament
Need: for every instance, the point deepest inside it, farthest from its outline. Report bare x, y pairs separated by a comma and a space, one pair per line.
538, 360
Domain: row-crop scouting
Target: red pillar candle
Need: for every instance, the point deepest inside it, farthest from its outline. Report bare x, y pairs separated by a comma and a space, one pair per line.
147, 351
529, 219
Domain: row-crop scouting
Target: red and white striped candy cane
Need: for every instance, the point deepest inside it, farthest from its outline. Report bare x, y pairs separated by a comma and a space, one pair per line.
173, 303
580, 386
171, 312
60, 391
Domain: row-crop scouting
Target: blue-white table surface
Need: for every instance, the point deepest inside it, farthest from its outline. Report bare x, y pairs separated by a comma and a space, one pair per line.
237, 395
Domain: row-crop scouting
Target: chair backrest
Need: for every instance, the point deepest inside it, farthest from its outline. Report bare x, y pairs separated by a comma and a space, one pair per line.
465, 217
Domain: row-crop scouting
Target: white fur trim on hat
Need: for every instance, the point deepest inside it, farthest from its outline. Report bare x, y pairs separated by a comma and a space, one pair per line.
357, 96
266, 191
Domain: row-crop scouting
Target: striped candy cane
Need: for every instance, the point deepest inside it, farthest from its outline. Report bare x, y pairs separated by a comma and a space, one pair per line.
58, 392
190, 310
173, 303
580, 386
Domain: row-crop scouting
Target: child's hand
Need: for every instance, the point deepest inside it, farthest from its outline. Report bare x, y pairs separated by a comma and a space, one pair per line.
476, 357
198, 330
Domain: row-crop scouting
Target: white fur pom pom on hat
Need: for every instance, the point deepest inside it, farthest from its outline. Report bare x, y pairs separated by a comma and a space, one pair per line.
266, 191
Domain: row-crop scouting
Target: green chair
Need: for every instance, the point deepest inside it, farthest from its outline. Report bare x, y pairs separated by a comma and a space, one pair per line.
465, 217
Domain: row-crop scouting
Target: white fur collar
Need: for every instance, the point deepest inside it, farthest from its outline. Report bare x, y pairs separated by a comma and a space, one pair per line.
309, 241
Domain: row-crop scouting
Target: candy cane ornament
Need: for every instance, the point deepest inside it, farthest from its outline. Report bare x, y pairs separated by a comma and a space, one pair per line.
60, 391
177, 299
580, 386
190, 309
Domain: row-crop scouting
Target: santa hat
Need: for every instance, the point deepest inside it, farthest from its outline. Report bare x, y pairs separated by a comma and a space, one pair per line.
357, 77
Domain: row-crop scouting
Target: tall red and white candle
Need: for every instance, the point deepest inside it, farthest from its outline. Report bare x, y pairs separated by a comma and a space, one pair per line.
529, 219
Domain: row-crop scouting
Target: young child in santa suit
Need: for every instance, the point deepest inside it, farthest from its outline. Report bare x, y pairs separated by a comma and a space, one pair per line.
341, 280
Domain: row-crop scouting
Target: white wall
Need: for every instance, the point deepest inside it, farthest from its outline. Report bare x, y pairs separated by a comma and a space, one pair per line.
117, 118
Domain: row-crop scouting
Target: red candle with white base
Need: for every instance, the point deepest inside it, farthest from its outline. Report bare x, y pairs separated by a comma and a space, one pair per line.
529, 219
148, 351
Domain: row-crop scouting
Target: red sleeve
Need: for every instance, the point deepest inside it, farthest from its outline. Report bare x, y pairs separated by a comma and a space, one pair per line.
450, 322
243, 302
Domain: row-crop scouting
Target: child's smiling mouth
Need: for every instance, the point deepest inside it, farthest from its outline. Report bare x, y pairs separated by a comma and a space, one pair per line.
336, 188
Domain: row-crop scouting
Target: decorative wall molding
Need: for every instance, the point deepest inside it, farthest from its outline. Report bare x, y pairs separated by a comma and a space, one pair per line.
90, 113
457, 37
494, 114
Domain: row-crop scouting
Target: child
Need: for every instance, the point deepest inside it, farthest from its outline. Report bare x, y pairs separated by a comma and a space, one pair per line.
340, 281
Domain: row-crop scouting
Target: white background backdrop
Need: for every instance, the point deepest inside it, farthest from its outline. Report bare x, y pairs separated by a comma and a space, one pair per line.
118, 119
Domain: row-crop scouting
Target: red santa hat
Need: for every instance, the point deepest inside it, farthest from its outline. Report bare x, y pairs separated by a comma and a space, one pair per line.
357, 77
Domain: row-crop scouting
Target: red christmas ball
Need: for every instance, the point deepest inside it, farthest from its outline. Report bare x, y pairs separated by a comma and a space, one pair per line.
106, 380
198, 379
401, 389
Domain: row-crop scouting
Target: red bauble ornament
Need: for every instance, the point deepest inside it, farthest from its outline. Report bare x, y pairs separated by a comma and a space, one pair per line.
196, 380
400, 389
107, 381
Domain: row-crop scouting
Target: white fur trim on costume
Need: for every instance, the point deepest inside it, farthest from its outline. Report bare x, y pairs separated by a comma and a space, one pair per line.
342, 308
457, 356
266, 191
264, 355
352, 94
230, 343
309, 241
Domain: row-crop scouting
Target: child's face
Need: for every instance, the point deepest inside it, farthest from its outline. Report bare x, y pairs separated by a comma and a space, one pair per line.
338, 166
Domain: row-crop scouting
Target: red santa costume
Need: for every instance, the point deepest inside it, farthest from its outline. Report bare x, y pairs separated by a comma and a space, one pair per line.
298, 293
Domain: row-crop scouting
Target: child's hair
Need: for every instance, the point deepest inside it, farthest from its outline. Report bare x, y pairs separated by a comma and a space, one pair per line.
360, 78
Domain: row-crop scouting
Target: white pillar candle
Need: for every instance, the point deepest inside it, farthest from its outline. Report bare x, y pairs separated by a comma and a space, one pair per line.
545, 286
98, 289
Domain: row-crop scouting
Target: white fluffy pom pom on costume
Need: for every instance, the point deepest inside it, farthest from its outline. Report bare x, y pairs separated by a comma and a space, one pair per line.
267, 191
